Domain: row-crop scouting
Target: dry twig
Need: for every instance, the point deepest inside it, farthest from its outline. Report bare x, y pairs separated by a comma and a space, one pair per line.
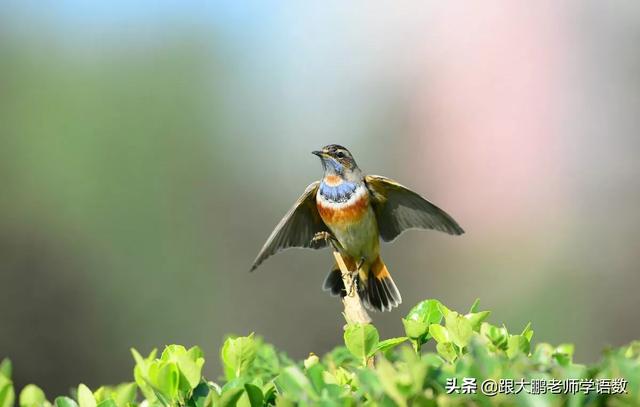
354, 311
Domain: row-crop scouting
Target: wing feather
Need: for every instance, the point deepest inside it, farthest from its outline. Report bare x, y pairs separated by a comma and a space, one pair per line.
398, 208
297, 228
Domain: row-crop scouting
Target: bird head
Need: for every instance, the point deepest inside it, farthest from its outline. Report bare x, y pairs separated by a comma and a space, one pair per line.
337, 160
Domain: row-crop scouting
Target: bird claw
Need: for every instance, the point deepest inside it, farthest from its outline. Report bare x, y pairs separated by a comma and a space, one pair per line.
326, 237
352, 282
354, 286
319, 238
352, 278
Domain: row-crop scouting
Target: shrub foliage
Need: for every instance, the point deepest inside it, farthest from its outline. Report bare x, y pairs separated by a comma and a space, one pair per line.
469, 353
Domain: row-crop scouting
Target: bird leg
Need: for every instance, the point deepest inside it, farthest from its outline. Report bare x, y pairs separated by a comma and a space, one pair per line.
354, 311
352, 277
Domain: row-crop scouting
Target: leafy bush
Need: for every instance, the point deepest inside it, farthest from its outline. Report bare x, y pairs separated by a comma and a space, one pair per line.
475, 363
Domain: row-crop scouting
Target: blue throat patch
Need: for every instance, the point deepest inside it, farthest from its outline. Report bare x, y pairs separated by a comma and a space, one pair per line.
338, 193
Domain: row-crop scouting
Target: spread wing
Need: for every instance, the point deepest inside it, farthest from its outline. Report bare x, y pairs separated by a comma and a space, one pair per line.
297, 228
398, 209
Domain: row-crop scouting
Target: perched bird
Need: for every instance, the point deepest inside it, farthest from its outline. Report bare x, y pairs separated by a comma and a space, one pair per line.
352, 211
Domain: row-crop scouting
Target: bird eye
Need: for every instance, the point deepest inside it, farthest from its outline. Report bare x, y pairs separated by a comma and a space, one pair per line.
340, 154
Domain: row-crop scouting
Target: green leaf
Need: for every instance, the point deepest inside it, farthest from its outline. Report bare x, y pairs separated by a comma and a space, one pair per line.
316, 376
388, 377
269, 393
542, 354
65, 402
633, 350
141, 374
108, 403
527, 332
415, 329
85, 397
189, 364
497, 336
416, 324
199, 396
195, 353
312, 360
234, 383
230, 397
361, 340
447, 351
139, 359
7, 394
390, 343
443, 309
474, 306
566, 348
31, 396
563, 354
256, 398
238, 354
282, 401
6, 368
517, 344
370, 383
477, 318
459, 329
439, 333
125, 394
432, 360
428, 311
165, 377
294, 384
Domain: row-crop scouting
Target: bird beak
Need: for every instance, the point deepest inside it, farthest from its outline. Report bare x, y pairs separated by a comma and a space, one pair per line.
318, 153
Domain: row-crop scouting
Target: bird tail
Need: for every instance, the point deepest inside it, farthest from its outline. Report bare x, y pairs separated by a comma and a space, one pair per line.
333, 283
376, 288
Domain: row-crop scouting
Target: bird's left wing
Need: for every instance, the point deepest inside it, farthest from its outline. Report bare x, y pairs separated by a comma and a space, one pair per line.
297, 228
398, 208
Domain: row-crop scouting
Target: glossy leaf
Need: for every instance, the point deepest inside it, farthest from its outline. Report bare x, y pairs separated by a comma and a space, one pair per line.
85, 397
7, 395
459, 329
447, 351
390, 343
31, 396
361, 340
6, 368
439, 333
476, 319
237, 355
256, 398
65, 402
230, 397
517, 344
293, 382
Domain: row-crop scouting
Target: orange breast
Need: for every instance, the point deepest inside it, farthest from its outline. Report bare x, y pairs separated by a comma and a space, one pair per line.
332, 180
336, 216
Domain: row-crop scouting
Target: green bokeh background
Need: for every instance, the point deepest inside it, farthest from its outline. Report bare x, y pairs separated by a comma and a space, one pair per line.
147, 150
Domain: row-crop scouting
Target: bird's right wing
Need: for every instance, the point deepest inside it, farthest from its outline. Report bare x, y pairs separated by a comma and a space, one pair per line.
297, 228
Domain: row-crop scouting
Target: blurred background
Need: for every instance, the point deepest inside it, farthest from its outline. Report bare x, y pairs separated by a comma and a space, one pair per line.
147, 149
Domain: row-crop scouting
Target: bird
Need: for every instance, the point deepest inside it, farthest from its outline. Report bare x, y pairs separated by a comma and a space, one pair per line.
352, 212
